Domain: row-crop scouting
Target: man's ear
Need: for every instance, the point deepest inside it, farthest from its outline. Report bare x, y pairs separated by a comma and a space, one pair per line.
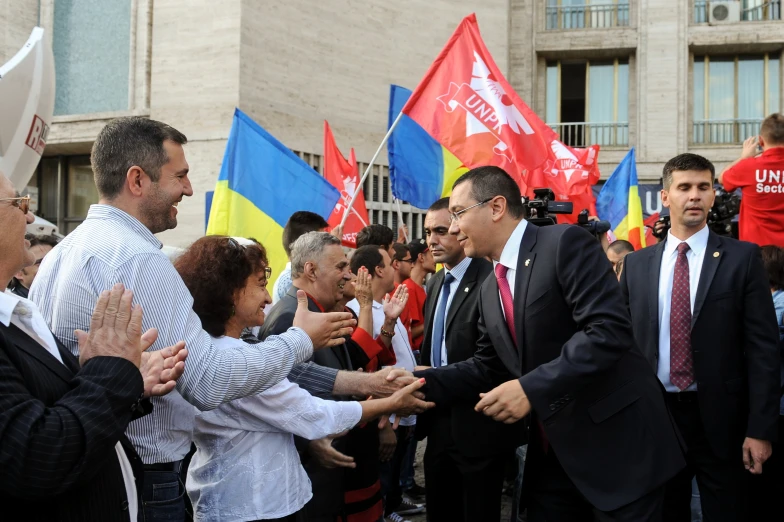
136, 179
310, 270
376, 271
20, 274
498, 205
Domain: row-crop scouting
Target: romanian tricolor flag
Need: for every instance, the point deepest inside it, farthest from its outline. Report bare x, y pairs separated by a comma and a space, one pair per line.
619, 203
421, 170
261, 184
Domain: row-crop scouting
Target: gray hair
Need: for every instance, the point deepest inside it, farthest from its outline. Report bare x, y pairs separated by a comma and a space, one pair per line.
309, 247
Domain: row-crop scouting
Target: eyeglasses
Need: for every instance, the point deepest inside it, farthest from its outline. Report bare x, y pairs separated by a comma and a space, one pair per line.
409, 260
22, 203
267, 273
455, 216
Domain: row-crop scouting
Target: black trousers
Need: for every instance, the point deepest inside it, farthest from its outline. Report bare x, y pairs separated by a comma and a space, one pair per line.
550, 496
722, 483
460, 488
766, 491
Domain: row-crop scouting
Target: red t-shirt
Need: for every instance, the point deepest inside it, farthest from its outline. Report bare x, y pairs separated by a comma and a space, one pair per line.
415, 309
761, 180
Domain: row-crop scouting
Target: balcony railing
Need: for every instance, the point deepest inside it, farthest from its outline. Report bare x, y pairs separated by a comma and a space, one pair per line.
587, 16
724, 131
583, 134
770, 10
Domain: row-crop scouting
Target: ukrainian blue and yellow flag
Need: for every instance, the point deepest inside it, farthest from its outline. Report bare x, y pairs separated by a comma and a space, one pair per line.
421, 170
619, 203
261, 184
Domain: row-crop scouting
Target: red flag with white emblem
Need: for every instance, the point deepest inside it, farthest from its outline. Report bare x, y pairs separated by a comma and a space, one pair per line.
344, 176
466, 104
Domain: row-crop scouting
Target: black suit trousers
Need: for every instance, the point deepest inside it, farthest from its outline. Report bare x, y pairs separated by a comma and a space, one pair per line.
722, 482
461, 488
549, 495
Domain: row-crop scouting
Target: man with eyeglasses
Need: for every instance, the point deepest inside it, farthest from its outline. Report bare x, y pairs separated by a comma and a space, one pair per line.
40, 245
556, 350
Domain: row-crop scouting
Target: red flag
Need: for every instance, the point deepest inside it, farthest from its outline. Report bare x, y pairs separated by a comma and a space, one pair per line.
467, 105
344, 176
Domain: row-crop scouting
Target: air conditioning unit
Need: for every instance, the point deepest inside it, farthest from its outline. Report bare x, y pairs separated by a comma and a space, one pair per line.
723, 12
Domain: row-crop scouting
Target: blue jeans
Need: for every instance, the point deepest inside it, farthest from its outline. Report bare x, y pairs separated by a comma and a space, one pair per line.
163, 497
407, 467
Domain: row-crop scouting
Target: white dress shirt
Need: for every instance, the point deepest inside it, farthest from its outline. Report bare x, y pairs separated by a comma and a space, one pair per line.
246, 466
111, 246
695, 255
403, 354
509, 256
457, 271
23, 314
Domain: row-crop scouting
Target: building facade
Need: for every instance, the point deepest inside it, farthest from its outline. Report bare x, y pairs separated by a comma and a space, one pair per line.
663, 76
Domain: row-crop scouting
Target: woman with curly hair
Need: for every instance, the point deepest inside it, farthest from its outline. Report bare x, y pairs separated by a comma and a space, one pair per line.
246, 466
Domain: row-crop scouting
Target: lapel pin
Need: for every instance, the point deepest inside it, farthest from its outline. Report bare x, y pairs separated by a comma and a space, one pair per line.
715, 254
527, 262
466, 289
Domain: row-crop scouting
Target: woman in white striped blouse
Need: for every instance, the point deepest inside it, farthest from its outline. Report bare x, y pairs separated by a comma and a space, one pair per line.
246, 466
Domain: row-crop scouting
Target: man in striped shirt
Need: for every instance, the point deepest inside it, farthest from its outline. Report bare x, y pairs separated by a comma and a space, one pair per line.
141, 175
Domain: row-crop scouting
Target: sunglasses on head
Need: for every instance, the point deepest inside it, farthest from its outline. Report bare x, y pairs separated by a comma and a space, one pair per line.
21, 202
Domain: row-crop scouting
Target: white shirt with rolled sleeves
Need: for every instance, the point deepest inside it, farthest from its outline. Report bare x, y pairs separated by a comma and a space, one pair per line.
112, 247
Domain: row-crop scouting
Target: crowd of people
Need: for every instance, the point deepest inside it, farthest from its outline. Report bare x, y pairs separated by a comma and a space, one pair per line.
137, 388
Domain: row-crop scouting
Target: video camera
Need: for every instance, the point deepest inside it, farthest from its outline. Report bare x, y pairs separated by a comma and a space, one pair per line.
725, 207
543, 204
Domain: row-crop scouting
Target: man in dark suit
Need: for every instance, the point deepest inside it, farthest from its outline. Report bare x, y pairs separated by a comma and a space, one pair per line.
466, 451
703, 315
555, 341
61, 419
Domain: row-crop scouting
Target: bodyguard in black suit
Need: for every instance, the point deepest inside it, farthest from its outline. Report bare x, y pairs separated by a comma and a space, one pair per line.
703, 315
466, 451
602, 444
61, 421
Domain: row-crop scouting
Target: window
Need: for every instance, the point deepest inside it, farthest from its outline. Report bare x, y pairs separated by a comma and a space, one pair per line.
587, 102
581, 14
91, 48
64, 188
732, 95
750, 10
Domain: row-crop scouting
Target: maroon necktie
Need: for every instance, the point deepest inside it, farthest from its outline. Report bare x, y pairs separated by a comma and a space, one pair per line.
681, 362
508, 303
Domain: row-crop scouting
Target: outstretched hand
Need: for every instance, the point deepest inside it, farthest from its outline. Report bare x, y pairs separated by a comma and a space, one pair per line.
324, 329
394, 305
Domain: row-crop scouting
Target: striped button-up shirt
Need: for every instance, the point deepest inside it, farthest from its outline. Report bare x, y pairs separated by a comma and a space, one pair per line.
113, 247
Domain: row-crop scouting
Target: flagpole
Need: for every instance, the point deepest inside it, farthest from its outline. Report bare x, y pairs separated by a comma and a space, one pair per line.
400, 220
367, 170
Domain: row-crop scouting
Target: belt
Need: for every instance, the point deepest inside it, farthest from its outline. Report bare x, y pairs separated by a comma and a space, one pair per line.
164, 466
682, 396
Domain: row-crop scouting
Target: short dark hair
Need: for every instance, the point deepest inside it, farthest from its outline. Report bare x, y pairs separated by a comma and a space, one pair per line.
619, 246
441, 204
299, 224
772, 129
42, 239
489, 182
401, 251
368, 256
380, 235
213, 268
683, 162
773, 259
127, 142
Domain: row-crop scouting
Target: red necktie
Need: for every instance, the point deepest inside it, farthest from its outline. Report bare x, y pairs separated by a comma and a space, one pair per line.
681, 361
508, 303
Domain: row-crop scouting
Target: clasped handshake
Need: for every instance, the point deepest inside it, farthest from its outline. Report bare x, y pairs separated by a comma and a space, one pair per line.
116, 331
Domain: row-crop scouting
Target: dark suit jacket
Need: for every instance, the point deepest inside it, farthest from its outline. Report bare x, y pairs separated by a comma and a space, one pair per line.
471, 433
328, 484
600, 403
734, 338
58, 428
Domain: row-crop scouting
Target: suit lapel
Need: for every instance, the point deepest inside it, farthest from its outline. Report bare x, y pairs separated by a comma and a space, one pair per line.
461, 293
654, 269
525, 265
710, 262
31, 347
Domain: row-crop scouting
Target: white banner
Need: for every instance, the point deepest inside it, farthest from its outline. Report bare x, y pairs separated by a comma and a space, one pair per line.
26, 107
